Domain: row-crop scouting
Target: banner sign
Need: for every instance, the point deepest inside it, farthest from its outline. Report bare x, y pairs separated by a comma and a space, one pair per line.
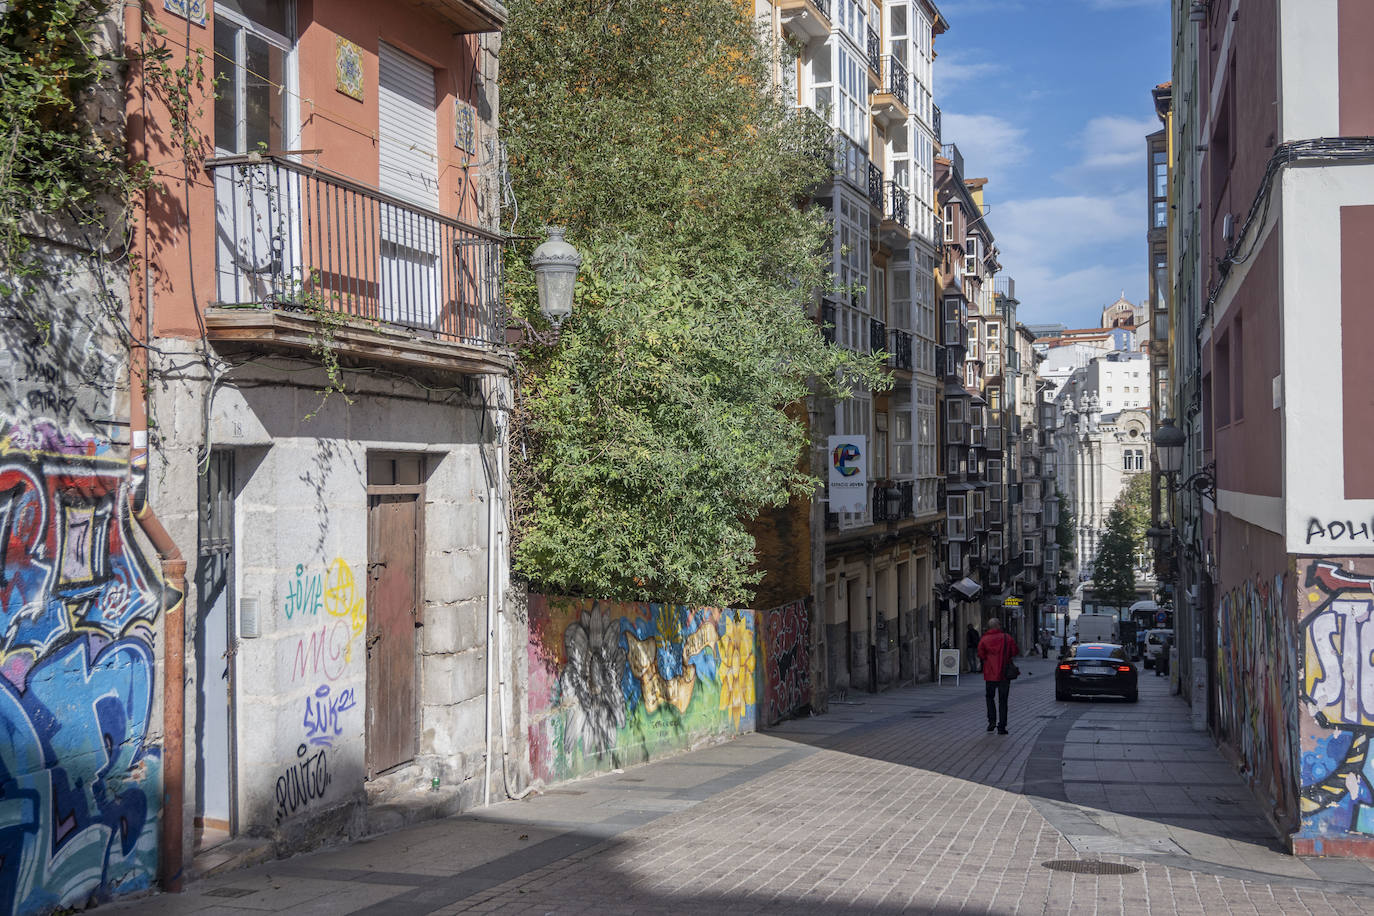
848, 473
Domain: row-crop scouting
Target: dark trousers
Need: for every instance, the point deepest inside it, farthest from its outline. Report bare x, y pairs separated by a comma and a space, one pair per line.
997, 696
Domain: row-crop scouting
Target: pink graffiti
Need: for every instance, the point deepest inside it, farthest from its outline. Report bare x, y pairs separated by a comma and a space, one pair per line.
322, 652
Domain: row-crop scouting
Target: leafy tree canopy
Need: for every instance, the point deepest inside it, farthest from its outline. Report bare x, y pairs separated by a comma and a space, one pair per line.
1114, 568
654, 429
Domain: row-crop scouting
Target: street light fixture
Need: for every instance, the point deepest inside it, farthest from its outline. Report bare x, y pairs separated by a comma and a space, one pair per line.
1169, 442
555, 264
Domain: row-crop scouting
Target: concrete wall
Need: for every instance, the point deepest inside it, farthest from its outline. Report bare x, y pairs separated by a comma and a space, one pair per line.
301, 554
613, 684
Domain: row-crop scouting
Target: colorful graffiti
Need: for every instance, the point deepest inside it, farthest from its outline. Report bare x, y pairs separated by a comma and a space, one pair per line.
1257, 664
786, 639
1337, 778
613, 684
79, 780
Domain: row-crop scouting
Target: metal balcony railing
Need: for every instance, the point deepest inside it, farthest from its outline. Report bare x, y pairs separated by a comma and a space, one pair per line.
893, 502
877, 336
951, 152
897, 81
935, 122
824, 7
899, 205
875, 50
901, 350
292, 237
1004, 287
875, 186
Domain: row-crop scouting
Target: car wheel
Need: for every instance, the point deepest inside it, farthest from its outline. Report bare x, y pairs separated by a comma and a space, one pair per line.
1133, 696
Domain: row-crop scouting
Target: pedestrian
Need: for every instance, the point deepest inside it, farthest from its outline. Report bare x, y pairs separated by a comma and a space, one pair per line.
1162, 663
996, 650
1044, 643
971, 647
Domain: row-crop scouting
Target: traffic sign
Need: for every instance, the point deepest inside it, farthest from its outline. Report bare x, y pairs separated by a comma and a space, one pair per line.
1062, 600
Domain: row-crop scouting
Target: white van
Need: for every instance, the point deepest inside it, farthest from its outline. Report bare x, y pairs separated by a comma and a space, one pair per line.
1154, 645
1097, 628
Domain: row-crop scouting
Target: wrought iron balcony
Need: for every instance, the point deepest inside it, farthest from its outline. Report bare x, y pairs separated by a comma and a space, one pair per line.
875, 50
898, 205
808, 19
901, 350
877, 336
875, 186
292, 239
893, 502
935, 122
897, 80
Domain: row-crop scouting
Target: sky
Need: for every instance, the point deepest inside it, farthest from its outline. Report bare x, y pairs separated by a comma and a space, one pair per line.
1050, 101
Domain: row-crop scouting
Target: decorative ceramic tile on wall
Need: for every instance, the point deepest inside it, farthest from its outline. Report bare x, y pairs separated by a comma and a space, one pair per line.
348, 68
193, 10
464, 126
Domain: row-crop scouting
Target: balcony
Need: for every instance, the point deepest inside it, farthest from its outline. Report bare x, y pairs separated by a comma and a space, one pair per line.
808, 20
894, 501
877, 336
407, 285
897, 213
935, 122
874, 47
956, 159
901, 350
1005, 287
875, 187
891, 102
469, 17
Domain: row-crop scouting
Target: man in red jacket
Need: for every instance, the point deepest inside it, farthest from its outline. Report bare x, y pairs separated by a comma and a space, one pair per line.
995, 650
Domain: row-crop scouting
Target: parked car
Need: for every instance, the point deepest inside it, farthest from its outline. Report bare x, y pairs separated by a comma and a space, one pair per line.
1154, 645
1097, 669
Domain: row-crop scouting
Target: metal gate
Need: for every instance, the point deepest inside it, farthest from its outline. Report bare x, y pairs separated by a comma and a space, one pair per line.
214, 655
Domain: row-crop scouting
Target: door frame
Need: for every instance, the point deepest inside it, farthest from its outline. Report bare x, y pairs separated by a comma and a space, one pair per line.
418, 491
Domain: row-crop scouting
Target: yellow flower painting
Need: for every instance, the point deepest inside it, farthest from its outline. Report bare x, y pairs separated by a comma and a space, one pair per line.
736, 650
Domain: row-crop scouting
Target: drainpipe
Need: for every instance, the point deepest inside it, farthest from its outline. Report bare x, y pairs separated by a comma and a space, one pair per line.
173, 566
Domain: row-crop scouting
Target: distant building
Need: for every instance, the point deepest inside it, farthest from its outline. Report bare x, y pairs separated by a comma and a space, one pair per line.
1124, 314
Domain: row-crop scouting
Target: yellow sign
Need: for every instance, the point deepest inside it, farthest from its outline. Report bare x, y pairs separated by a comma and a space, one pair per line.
1012, 602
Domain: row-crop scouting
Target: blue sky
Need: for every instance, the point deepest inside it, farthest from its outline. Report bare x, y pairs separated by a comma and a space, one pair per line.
1050, 100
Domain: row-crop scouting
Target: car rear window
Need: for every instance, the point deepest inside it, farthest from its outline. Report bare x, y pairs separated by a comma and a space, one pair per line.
1099, 652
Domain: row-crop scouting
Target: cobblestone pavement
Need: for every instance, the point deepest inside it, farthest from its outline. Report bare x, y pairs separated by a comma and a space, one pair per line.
893, 803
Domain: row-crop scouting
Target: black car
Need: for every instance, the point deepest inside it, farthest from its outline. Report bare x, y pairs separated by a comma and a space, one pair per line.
1096, 668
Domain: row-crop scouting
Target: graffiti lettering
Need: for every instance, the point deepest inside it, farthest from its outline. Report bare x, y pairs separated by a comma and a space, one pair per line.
1334, 531
80, 786
303, 594
303, 782
51, 403
787, 660
321, 720
322, 652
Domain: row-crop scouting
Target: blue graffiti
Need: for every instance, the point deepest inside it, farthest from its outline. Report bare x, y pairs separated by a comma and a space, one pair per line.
75, 821
321, 721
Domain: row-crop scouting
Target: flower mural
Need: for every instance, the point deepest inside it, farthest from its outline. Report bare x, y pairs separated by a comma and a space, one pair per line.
736, 650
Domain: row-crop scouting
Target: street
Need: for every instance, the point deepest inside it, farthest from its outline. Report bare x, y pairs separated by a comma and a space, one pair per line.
898, 802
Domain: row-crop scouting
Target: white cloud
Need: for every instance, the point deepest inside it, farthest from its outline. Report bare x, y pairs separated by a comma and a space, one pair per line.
1123, 4
1045, 230
1113, 141
986, 142
954, 68
1075, 297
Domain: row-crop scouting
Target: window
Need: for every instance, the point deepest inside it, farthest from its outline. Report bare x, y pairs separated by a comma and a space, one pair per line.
1221, 379
253, 74
1134, 459
901, 438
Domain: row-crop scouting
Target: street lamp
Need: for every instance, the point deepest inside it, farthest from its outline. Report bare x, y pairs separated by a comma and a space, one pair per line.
555, 264
1169, 442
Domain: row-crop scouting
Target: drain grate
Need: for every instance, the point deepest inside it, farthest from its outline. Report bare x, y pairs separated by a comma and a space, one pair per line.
229, 892
1090, 867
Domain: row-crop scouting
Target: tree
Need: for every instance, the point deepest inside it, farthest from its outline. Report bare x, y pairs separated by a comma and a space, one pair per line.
1114, 568
655, 428
1063, 536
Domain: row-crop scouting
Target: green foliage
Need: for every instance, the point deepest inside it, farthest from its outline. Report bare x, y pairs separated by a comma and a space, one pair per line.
54, 159
1063, 532
1114, 568
655, 429
1134, 500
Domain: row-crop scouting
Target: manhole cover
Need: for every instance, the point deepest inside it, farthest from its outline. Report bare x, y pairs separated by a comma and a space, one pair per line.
1090, 867
229, 892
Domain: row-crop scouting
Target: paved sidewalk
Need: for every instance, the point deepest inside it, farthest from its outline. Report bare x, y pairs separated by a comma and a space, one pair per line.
893, 803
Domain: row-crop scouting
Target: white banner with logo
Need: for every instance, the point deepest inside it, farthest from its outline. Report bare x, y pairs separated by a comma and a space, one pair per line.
848, 473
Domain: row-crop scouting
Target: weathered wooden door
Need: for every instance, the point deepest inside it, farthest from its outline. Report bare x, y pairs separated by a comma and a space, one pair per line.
392, 619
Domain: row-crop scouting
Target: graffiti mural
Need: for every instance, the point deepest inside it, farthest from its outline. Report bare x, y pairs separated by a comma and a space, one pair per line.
786, 639
1336, 602
613, 684
79, 780
1257, 667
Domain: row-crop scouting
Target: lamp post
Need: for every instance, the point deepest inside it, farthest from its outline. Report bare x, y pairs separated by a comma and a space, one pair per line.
555, 264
